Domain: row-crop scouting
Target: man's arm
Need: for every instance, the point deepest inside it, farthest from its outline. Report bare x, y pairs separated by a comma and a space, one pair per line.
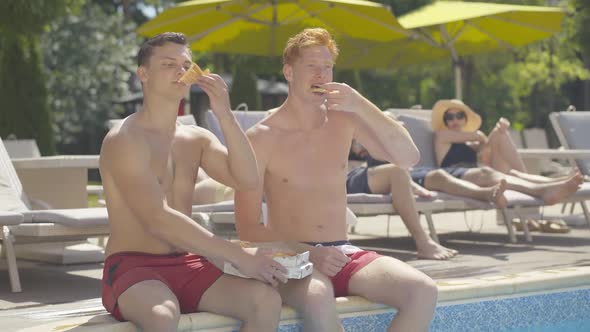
248, 204
127, 161
385, 138
234, 166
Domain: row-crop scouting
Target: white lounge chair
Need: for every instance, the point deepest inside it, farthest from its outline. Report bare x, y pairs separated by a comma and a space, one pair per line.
49, 225
10, 219
536, 138
571, 129
418, 124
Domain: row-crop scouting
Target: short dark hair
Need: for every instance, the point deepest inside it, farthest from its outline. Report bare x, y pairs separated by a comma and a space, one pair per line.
146, 49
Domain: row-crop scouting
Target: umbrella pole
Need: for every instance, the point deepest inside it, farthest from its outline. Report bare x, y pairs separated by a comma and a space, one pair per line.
456, 62
458, 80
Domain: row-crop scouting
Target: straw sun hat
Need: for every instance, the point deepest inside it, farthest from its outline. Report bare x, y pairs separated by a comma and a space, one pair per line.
438, 111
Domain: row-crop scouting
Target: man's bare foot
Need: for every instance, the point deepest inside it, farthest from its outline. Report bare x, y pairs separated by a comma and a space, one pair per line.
496, 195
421, 191
555, 192
433, 250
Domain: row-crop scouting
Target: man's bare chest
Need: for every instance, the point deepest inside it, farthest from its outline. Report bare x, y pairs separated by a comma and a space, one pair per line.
308, 162
173, 166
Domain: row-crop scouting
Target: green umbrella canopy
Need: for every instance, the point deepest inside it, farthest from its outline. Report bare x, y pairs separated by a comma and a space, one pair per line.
262, 27
452, 29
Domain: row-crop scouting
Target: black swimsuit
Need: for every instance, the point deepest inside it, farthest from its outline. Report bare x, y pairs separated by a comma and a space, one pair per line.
460, 155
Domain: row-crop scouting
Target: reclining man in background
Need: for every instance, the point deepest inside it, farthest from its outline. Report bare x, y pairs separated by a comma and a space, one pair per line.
482, 183
302, 154
379, 177
156, 267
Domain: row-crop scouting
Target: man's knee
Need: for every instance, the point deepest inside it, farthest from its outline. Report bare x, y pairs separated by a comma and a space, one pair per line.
398, 174
437, 176
422, 292
163, 317
319, 297
265, 304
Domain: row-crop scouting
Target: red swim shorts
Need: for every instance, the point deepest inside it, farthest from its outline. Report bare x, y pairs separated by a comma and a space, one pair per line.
187, 275
358, 260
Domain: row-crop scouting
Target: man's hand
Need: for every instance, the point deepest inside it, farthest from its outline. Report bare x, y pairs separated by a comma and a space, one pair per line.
328, 260
341, 97
260, 267
217, 90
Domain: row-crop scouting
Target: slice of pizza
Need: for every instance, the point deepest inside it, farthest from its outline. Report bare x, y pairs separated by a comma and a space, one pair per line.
318, 90
191, 75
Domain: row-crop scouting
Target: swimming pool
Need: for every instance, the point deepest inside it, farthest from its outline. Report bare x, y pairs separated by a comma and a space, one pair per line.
556, 299
564, 311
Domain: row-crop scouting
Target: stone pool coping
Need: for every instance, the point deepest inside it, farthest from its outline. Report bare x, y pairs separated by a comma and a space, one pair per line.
451, 291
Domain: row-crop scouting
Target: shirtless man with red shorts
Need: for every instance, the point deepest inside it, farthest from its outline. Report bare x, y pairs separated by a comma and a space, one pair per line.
156, 267
302, 154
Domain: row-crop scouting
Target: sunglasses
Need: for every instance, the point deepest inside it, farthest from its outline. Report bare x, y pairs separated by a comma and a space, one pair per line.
451, 116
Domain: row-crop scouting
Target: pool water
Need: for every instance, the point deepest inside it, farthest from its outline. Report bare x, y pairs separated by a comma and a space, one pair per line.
559, 311
562, 311
573, 326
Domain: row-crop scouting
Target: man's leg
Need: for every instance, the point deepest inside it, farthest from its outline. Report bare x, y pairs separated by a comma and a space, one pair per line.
550, 193
313, 298
151, 305
389, 178
442, 181
257, 305
392, 282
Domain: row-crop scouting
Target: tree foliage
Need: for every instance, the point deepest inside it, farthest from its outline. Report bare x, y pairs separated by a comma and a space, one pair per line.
22, 81
32, 16
90, 59
244, 87
23, 93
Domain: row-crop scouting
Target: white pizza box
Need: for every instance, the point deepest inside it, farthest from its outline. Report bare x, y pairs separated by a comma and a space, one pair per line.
293, 272
280, 253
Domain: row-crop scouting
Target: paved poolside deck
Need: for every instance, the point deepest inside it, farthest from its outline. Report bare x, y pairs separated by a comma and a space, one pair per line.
53, 292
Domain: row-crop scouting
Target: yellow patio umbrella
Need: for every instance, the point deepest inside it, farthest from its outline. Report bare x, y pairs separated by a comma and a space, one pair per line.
262, 27
458, 28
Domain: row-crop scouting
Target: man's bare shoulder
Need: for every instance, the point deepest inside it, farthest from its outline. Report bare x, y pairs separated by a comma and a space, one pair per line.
193, 134
122, 142
266, 129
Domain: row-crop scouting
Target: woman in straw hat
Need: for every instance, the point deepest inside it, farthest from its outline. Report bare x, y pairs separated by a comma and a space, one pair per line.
460, 148
458, 140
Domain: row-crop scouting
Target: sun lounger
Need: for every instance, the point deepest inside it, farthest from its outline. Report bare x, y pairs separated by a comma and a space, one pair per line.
188, 119
220, 217
536, 138
10, 219
366, 205
50, 225
571, 129
418, 124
